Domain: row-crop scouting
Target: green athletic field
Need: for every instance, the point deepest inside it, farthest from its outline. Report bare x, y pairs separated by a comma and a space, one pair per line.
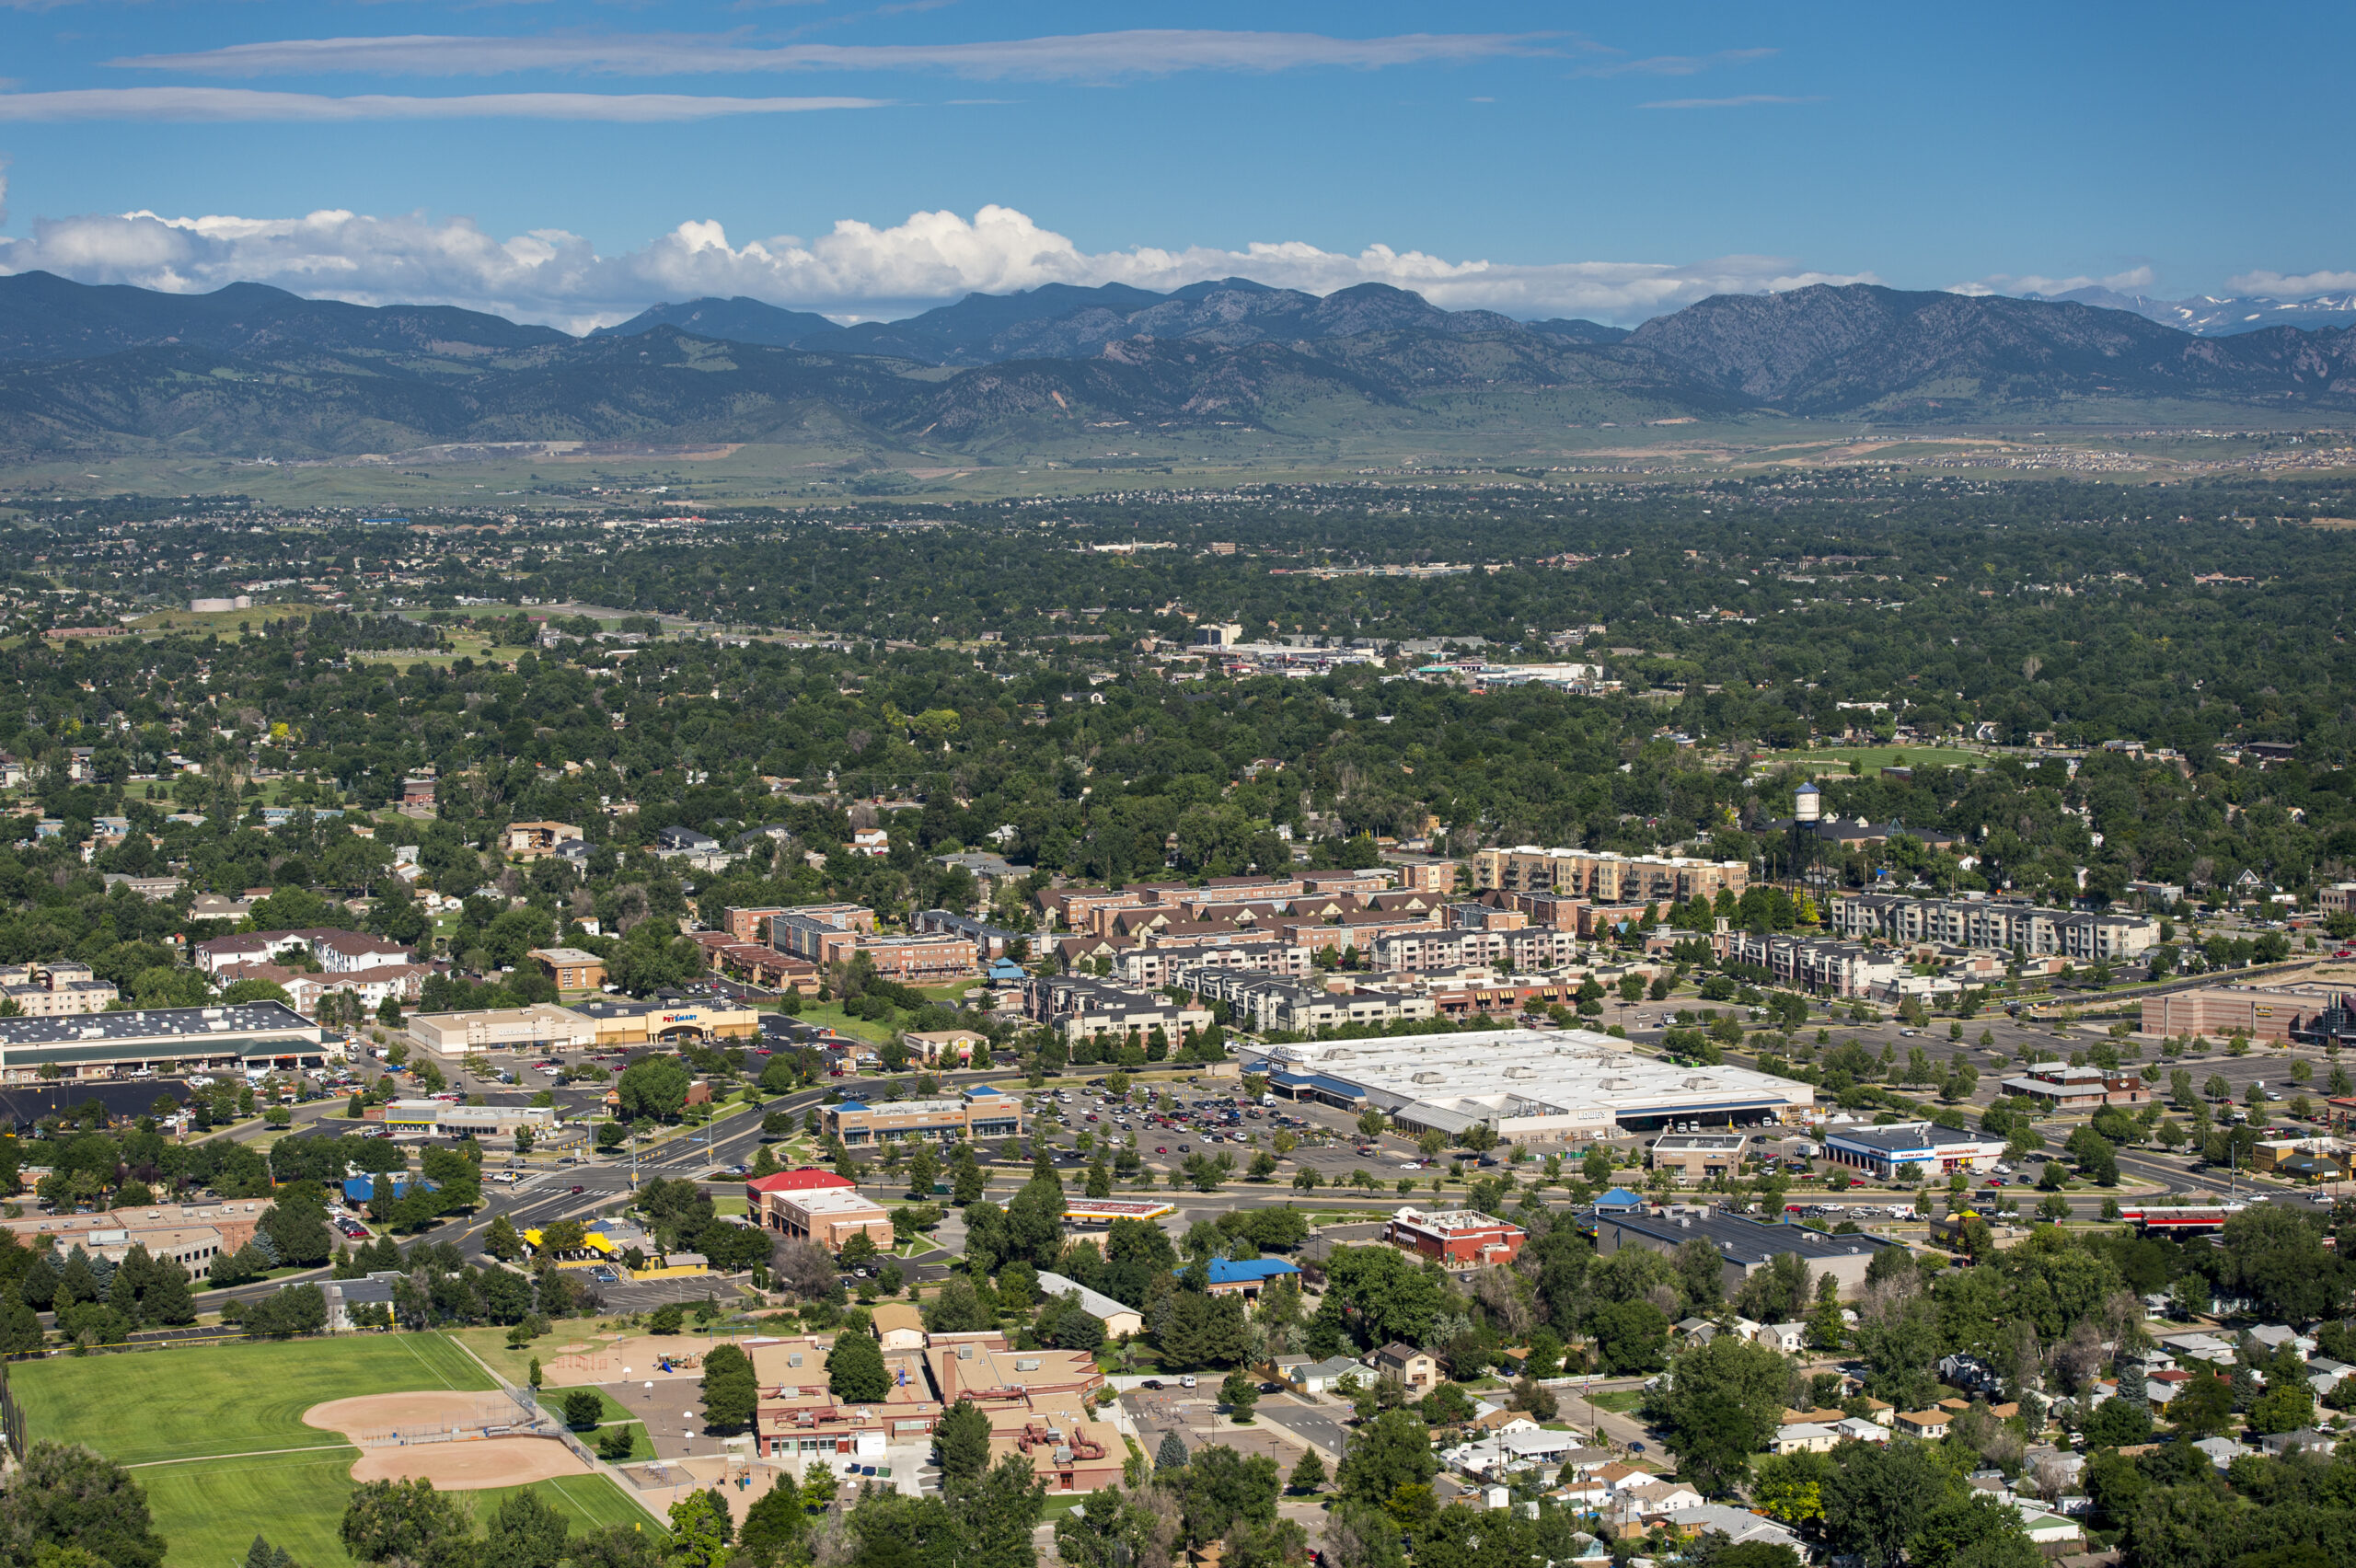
224, 1399
200, 1425
209, 1513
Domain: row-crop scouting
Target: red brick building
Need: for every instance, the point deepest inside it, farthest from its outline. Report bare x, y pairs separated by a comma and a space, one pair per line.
1459, 1239
762, 1191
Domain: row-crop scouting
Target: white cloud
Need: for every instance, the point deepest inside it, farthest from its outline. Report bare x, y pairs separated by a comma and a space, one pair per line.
244, 103
1674, 64
1082, 56
855, 269
2135, 279
2279, 286
1743, 100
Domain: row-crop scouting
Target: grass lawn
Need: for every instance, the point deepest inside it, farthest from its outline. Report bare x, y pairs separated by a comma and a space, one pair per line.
239, 1400
1871, 758
208, 1514
1619, 1400
830, 1015
224, 1399
490, 1343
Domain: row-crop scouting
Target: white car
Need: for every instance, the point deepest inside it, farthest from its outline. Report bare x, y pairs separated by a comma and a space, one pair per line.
1410, 1165
1187, 1381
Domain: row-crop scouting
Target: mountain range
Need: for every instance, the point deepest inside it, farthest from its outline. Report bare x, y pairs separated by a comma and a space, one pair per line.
1061, 321
251, 370
2207, 315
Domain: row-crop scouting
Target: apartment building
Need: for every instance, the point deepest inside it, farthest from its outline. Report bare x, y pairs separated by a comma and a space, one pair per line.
1078, 1006
1531, 947
1818, 963
990, 941
1608, 878
1359, 929
338, 951
757, 964
1264, 1001
920, 960
1154, 967
56, 990
2079, 937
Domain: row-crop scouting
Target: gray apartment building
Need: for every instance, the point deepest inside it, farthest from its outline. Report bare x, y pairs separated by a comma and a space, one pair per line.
2081, 937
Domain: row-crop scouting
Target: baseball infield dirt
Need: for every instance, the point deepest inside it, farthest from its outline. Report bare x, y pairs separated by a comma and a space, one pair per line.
471, 1467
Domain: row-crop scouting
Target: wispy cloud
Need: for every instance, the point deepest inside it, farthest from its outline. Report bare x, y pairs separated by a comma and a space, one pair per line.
855, 270
1674, 64
2292, 285
244, 103
2133, 281
1743, 100
1082, 56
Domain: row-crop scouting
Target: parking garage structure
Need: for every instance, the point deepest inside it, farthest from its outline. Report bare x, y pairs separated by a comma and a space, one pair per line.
1527, 1085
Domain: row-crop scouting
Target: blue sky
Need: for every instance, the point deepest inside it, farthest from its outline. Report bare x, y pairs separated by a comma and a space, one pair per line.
1542, 159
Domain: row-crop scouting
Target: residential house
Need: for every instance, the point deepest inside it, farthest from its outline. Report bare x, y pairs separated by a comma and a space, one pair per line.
1418, 1369
1246, 1277
1804, 1437
1308, 1377
1926, 1424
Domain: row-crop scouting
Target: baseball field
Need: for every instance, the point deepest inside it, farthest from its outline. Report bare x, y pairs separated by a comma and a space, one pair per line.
216, 1435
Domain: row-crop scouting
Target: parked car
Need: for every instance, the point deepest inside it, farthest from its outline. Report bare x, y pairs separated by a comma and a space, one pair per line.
1187, 1381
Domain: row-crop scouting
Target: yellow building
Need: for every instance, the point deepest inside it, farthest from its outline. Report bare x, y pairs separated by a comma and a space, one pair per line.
618, 1022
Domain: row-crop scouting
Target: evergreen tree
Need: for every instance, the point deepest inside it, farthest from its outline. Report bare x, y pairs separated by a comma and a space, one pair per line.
169, 1300
1172, 1455
855, 1368
500, 1240
75, 1281
730, 1392
962, 1442
20, 1329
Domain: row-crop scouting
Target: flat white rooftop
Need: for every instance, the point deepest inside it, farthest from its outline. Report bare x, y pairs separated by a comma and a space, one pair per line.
1535, 1073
